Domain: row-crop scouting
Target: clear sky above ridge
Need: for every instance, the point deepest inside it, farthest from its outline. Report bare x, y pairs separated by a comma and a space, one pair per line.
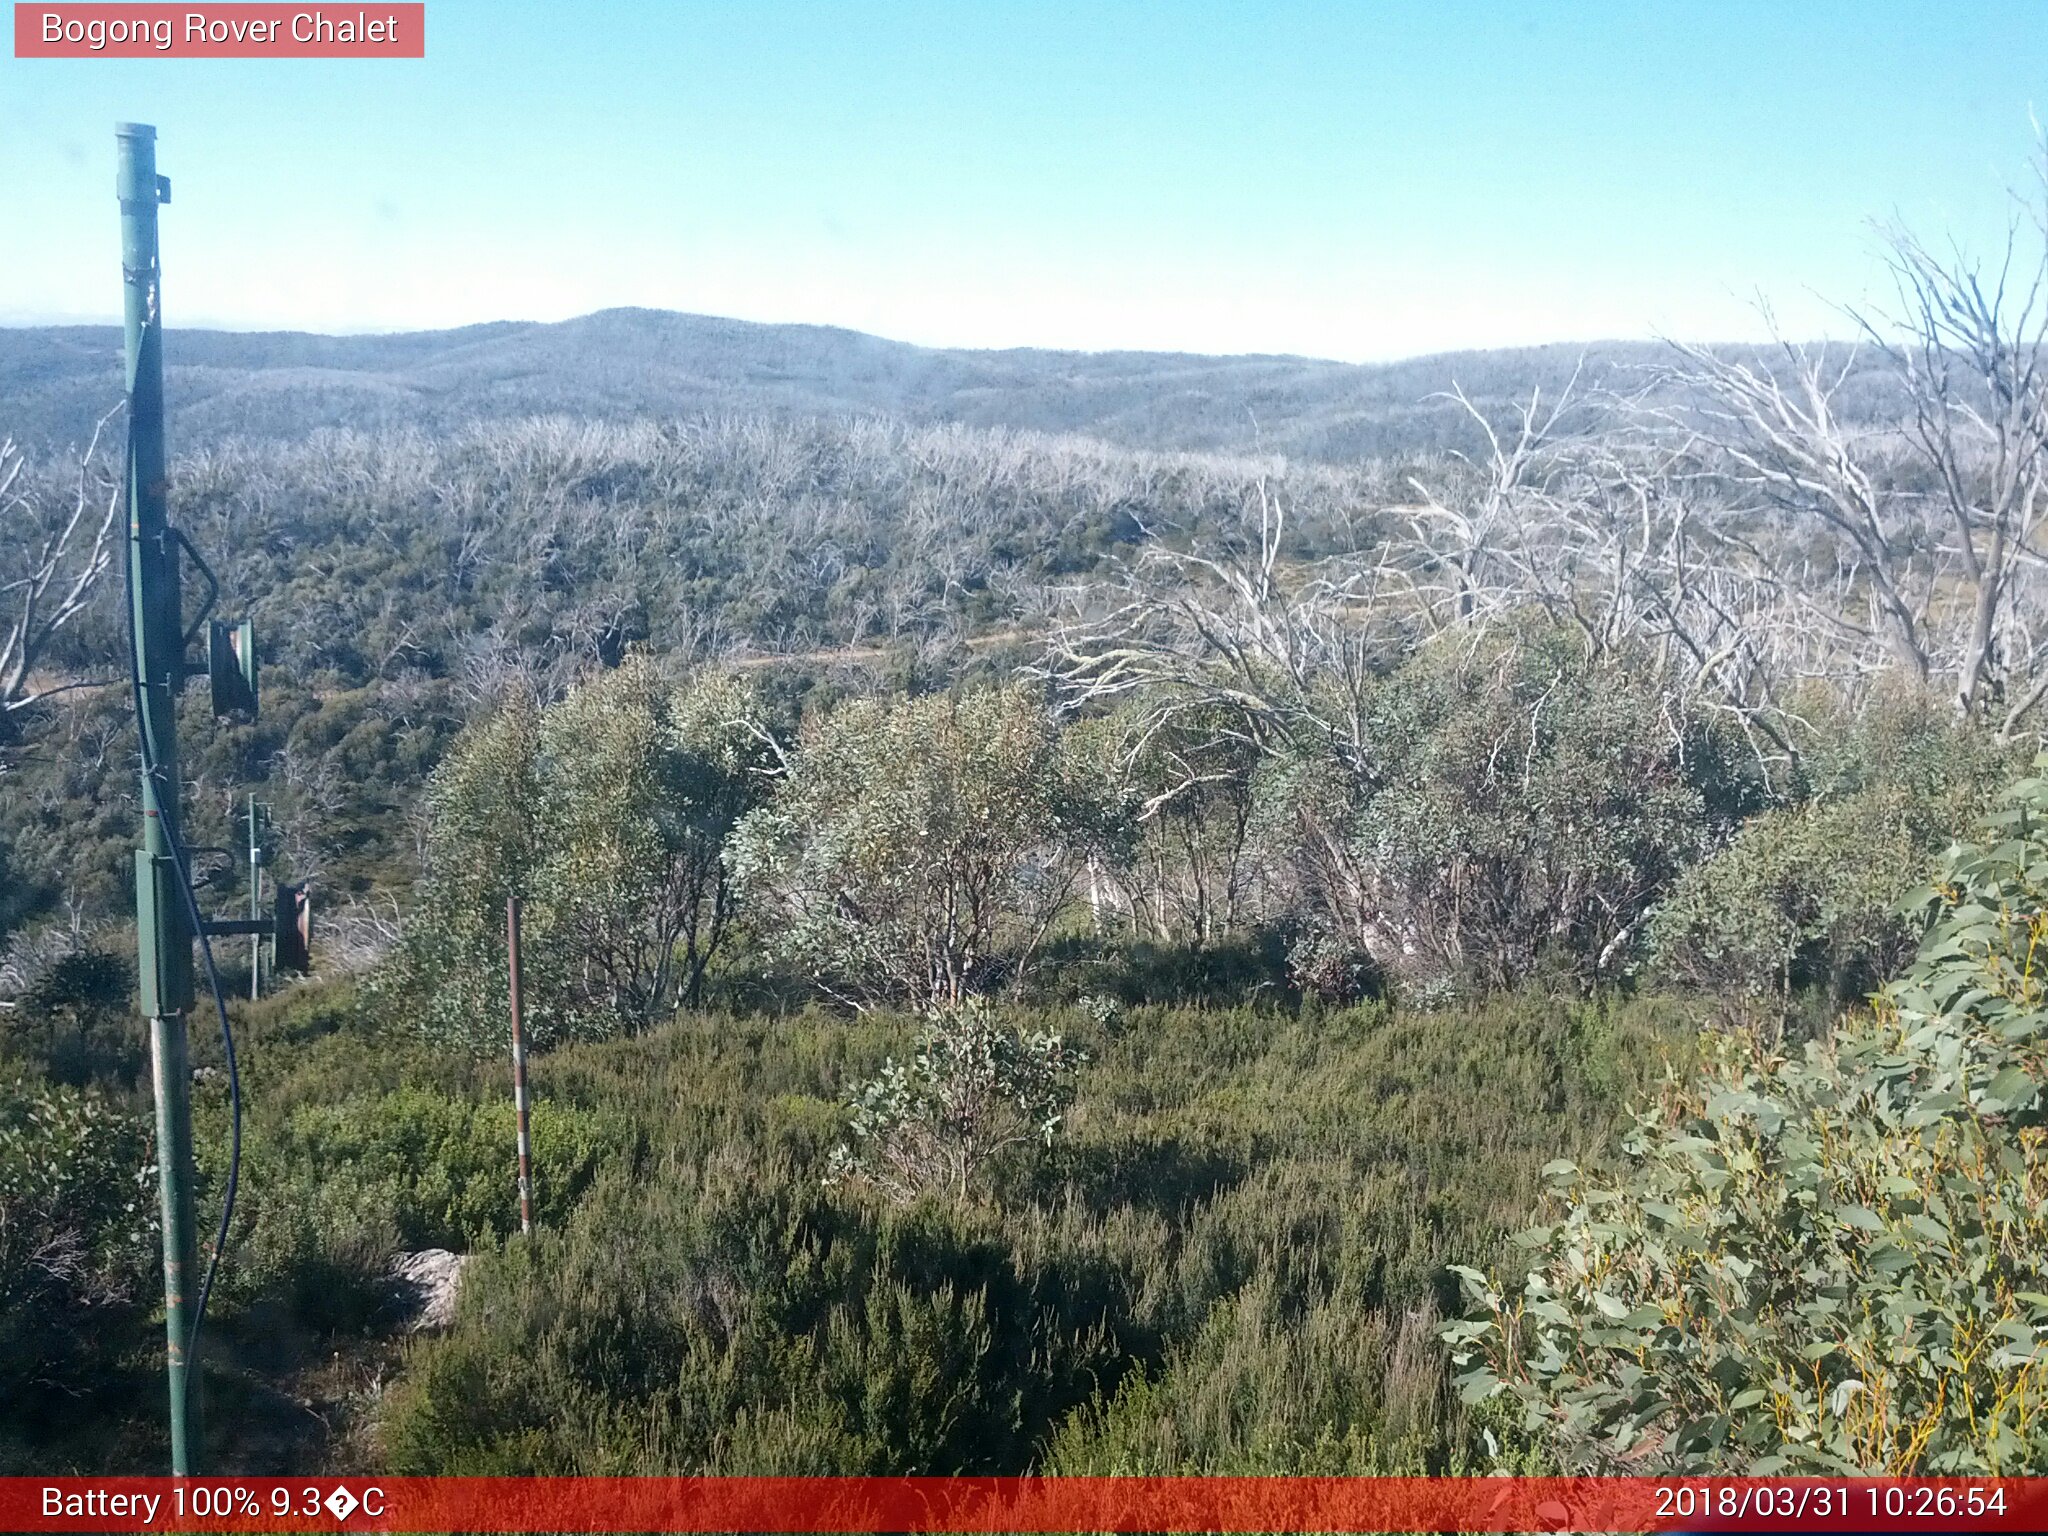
1353, 179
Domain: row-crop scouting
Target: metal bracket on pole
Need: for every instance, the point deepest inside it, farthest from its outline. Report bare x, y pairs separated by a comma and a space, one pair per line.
289, 928
163, 966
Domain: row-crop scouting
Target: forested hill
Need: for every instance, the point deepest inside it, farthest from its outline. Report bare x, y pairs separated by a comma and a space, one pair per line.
621, 363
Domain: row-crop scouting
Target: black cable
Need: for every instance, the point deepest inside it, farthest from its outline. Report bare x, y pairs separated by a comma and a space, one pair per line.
167, 818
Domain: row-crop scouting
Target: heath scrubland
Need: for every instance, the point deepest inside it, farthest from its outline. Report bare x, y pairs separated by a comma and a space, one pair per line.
1512, 952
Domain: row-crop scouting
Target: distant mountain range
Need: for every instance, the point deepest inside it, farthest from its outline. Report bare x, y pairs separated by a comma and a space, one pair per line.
55, 380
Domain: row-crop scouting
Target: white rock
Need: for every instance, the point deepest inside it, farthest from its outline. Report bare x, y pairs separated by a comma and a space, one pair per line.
429, 1281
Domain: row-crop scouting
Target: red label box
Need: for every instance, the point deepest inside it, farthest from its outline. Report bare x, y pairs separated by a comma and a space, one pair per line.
968, 1506
372, 30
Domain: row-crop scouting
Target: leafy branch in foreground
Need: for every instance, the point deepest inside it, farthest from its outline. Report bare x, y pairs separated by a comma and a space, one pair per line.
1822, 1263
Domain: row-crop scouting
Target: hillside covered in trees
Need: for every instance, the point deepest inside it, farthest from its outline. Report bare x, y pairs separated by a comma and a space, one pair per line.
1063, 933
625, 365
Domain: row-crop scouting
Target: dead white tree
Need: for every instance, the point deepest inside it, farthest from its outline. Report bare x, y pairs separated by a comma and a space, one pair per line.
1468, 551
53, 551
1219, 653
1969, 354
1267, 650
360, 933
1913, 539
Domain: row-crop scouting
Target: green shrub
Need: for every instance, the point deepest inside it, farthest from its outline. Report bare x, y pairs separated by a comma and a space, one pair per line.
1806, 896
917, 849
77, 1257
1271, 1385
1524, 806
445, 1166
77, 1192
1823, 1262
607, 814
310, 1257
751, 1325
75, 1022
944, 1121
347, 1161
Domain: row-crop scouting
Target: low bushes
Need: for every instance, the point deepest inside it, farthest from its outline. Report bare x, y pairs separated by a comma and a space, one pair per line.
751, 1325
1272, 1385
361, 1140
442, 1167
1245, 1209
77, 1263
1805, 897
331, 1191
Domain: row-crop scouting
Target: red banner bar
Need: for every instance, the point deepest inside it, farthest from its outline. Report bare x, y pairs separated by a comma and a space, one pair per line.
1054, 1504
371, 30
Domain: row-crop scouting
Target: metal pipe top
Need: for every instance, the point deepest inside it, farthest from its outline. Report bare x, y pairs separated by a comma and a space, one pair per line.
135, 130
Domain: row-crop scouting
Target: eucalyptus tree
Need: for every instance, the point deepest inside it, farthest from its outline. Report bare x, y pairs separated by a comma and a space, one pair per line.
918, 849
607, 813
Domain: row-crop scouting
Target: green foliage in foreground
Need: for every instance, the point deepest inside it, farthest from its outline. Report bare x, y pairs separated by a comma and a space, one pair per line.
77, 1223
1824, 1263
751, 1324
362, 1141
1226, 1179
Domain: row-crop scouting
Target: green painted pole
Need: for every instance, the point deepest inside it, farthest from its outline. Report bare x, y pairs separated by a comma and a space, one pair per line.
163, 934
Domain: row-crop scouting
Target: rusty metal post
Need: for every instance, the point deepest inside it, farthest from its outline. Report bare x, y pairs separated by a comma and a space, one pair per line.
255, 899
519, 1101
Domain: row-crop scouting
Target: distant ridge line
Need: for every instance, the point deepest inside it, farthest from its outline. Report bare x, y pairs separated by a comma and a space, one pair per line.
617, 364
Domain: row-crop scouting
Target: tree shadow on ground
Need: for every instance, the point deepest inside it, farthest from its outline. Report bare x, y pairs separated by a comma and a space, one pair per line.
1165, 1177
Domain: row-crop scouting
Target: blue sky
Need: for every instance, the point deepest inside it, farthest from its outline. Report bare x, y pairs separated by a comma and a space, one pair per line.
1356, 180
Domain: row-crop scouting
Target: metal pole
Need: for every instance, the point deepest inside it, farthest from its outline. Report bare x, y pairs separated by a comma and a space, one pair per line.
519, 1068
163, 936
255, 904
